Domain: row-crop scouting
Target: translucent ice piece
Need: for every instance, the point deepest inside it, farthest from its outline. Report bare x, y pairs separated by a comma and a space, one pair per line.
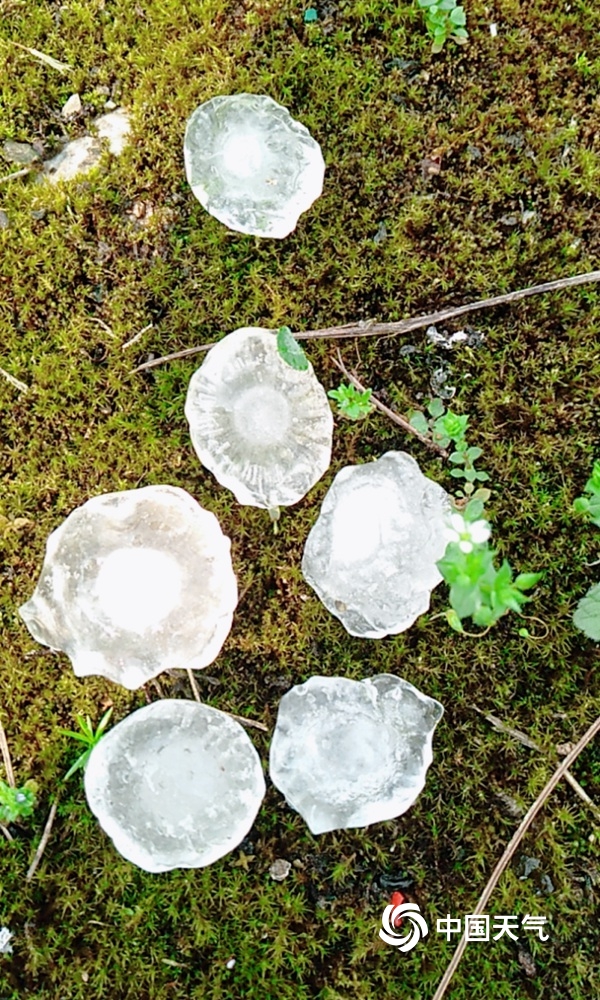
133, 583
251, 165
263, 428
371, 555
175, 785
349, 753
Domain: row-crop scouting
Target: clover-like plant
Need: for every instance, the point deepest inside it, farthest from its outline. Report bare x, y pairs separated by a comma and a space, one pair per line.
444, 19
88, 736
351, 402
16, 803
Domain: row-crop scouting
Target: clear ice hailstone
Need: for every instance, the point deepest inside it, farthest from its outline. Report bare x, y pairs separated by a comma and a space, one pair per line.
371, 555
251, 165
349, 753
263, 428
135, 582
175, 785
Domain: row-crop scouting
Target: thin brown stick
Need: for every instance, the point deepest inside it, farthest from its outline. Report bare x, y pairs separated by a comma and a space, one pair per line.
397, 419
193, 684
43, 842
532, 745
372, 329
6, 832
17, 173
10, 775
512, 846
249, 722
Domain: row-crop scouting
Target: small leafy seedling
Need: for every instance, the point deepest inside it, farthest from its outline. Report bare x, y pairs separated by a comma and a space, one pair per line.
590, 504
88, 736
444, 19
351, 402
16, 803
290, 350
587, 613
445, 428
479, 590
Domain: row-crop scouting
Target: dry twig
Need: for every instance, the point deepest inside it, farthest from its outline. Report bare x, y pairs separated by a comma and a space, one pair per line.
10, 775
397, 419
512, 847
43, 842
373, 329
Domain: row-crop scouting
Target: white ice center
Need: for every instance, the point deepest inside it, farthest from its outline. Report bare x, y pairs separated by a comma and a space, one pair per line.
243, 155
138, 588
262, 415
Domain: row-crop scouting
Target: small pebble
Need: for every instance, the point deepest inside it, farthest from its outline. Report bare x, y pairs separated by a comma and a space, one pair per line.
280, 869
4, 220
230, 963
72, 107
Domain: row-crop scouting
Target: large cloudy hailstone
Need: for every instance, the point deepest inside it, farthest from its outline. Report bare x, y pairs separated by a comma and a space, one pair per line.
263, 428
251, 165
135, 582
175, 785
371, 555
349, 753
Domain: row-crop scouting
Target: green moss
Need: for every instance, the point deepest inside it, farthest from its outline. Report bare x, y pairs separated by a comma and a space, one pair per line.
80, 282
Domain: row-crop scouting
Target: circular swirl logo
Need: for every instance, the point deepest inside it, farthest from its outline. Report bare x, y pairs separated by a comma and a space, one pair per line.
391, 917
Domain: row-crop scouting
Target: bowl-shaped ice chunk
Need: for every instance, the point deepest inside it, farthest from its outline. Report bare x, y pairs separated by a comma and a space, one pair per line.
135, 582
175, 785
251, 165
371, 555
349, 753
263, 428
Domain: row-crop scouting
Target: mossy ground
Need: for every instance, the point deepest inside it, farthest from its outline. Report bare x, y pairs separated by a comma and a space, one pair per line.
516, 120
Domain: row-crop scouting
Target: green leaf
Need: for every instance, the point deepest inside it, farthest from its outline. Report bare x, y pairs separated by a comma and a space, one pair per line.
460, 35
524, 633
352, 403
524, 581
482, 477
457, 457
418, 420
290, 350
458, 16
453, 620
436, 408
474, 453
79, 763
587, 613
458, 473
473, 510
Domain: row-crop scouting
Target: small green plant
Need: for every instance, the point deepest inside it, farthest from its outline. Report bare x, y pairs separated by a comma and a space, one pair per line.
444, 19
478, 589
445, 428
587, 613
16, 803
290, 350
88, 736
351, 402
590, 504
582, 64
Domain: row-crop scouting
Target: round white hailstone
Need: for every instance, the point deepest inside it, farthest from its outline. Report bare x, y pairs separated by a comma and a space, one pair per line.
371, 555
175, 785
349, 753
135, 582
263, 428
251, 165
